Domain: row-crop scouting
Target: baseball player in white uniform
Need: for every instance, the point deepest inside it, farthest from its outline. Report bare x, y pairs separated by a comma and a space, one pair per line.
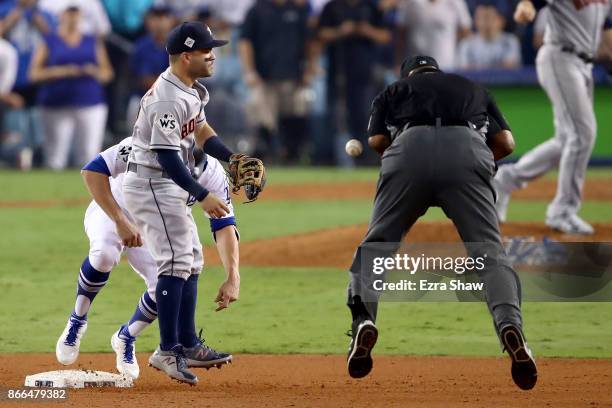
157, 185
111, 231
564, 66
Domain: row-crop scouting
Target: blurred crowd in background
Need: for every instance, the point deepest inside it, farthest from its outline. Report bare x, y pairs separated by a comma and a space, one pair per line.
294, 84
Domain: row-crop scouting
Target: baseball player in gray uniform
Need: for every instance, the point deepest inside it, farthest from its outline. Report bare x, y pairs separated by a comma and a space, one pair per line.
110, 230
157, 186
564, 66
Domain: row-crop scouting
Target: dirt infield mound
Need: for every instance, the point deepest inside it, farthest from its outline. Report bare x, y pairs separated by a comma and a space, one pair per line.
321, 381
335, 247
542, 189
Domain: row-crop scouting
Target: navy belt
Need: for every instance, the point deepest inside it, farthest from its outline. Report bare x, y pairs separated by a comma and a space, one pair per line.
589, 59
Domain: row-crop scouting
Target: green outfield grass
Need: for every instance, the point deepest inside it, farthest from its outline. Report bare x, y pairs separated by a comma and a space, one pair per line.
282, 310
529, 113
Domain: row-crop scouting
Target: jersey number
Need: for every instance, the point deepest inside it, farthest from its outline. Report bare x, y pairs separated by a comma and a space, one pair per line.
188, 128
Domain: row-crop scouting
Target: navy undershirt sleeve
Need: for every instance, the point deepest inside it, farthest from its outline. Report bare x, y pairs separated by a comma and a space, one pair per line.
214, 147
174, 166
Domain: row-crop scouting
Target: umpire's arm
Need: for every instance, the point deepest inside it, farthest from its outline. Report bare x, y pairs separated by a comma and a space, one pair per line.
499, 136
379, 137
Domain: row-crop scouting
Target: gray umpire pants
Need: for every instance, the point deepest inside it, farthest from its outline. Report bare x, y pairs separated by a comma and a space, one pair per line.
448, 167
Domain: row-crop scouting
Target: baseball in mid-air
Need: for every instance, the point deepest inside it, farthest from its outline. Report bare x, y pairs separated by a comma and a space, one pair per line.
353, 148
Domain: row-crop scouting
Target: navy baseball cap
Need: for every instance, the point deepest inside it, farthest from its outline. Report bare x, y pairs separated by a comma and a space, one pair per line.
417, 62
191, 36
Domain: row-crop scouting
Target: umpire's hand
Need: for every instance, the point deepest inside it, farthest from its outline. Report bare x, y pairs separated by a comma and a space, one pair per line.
214, 206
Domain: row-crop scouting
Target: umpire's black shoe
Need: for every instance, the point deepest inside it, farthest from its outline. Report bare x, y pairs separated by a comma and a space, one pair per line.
524, 370
364, 335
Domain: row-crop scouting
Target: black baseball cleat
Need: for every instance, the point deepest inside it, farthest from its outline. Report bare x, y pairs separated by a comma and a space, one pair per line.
364, 337
524, 370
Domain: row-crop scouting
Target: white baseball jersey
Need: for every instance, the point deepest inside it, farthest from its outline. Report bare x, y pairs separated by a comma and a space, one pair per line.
577, 23
105, 246
170, 112
213, 177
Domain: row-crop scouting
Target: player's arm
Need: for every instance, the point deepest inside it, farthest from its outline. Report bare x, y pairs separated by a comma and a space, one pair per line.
96, 177
166, 143
379, 137
207, 139
224, 230
227, 247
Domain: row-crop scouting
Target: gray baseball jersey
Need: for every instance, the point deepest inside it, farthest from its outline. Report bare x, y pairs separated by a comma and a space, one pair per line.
169, 114
577, 23
567, 78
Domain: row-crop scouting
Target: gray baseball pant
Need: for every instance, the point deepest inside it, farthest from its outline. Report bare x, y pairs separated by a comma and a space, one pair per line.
568, 82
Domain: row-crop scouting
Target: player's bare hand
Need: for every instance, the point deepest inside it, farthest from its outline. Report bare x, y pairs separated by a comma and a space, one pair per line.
228, 293
525, 12
129, 234
214, 206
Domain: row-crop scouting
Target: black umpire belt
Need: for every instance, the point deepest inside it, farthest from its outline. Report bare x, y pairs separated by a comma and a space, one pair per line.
440, 122
589, 59
146, 172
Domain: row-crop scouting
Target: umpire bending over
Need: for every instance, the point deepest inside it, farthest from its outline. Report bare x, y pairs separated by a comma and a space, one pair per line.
439, 135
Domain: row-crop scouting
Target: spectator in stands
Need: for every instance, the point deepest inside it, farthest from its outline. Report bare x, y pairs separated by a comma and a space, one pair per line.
231, 12
432, 27
127, 17
71, 67
24, 23
10, 143
276, 65
94, 19
149, 58
184, 9
8, 72
490, 47
351, 32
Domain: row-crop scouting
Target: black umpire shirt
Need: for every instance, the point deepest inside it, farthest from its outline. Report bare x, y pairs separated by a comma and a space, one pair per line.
423, 97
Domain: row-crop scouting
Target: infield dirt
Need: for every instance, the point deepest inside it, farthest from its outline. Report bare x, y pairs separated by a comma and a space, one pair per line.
322, 381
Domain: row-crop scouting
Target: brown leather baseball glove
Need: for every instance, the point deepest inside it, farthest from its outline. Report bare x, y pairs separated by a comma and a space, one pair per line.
247, 172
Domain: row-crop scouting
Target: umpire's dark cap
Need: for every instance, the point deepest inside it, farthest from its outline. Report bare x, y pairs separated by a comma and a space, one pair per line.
418, 63
191, 36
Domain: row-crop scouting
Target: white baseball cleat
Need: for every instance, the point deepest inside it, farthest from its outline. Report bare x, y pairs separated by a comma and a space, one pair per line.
67, 347
126, 354
570, 224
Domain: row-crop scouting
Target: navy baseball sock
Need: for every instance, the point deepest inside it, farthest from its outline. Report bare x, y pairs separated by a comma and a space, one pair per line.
91, 281
168, 296
186, 328
144, 315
